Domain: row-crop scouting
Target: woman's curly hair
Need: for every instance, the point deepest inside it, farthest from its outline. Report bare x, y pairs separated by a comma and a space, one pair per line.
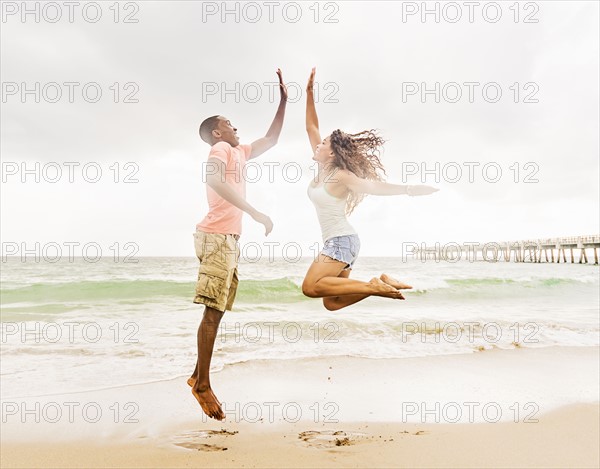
358, 153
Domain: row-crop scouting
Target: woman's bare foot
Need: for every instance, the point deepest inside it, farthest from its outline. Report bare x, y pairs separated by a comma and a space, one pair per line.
209, 403
384, 289
394, 283
191, 381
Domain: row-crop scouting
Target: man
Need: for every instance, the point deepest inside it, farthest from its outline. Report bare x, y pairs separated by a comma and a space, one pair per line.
217, 235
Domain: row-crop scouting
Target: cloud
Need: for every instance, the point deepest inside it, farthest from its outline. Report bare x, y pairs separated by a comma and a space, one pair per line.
171, 58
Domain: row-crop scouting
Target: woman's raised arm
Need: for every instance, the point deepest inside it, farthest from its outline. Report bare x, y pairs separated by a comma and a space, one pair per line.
312, 121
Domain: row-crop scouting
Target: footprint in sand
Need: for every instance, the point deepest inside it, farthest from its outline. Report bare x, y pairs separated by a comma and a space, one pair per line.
194, 439
418, 432
330, 439
201, 447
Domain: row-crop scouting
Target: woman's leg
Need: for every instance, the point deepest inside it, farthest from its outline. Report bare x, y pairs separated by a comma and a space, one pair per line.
333, 303
322, 279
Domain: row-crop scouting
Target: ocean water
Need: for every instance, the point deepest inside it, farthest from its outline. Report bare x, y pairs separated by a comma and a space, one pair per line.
74, 326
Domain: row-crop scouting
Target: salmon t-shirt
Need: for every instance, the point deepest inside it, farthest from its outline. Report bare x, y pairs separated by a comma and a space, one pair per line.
223, 217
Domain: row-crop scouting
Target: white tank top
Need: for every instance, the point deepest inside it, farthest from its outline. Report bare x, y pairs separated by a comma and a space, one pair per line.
331, 212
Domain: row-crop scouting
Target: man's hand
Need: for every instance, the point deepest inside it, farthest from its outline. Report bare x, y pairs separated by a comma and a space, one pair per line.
420, 190
264, 220
282, 87
311, 80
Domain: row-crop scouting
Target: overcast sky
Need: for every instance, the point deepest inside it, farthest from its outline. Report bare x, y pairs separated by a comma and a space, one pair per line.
372, 65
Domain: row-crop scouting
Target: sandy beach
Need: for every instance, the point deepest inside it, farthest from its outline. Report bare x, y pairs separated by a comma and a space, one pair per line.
567, 437
497, 408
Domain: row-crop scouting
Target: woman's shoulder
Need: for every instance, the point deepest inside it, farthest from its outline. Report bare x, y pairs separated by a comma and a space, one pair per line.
343, 175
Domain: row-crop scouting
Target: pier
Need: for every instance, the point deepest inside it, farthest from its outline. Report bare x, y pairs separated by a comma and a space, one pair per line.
530, 250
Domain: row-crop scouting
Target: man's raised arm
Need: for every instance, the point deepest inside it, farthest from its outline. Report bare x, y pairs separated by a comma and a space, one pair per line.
270, 139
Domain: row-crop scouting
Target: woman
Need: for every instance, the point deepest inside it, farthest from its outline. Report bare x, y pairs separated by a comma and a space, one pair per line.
348, 169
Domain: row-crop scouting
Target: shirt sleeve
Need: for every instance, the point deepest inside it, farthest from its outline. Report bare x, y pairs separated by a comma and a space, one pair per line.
221, 151
247, 150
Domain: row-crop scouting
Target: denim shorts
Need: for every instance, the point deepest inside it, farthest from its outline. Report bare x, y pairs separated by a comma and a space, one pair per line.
343, 248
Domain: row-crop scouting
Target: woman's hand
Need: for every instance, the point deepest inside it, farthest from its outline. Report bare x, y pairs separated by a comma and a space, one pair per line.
311, 80
282, 87
420, 190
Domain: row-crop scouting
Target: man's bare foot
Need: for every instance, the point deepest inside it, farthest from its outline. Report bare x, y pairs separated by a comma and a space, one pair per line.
383, 289
394, 283
209, 403
192, 381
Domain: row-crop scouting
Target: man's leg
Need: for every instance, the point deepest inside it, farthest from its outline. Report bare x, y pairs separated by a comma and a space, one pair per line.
207, 332
217, 286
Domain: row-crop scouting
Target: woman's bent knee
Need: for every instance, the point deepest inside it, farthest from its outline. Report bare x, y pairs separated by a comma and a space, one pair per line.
309, 290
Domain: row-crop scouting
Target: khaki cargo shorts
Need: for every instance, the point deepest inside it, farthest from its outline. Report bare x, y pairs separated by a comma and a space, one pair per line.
218, 276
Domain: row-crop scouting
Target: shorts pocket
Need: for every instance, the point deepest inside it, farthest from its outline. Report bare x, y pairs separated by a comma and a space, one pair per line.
199, 244
211, 282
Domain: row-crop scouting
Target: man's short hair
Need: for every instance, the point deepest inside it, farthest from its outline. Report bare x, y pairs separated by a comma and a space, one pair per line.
206, 128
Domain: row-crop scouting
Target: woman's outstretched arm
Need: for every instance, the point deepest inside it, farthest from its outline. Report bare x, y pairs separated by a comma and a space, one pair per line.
312, 121
365, 186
